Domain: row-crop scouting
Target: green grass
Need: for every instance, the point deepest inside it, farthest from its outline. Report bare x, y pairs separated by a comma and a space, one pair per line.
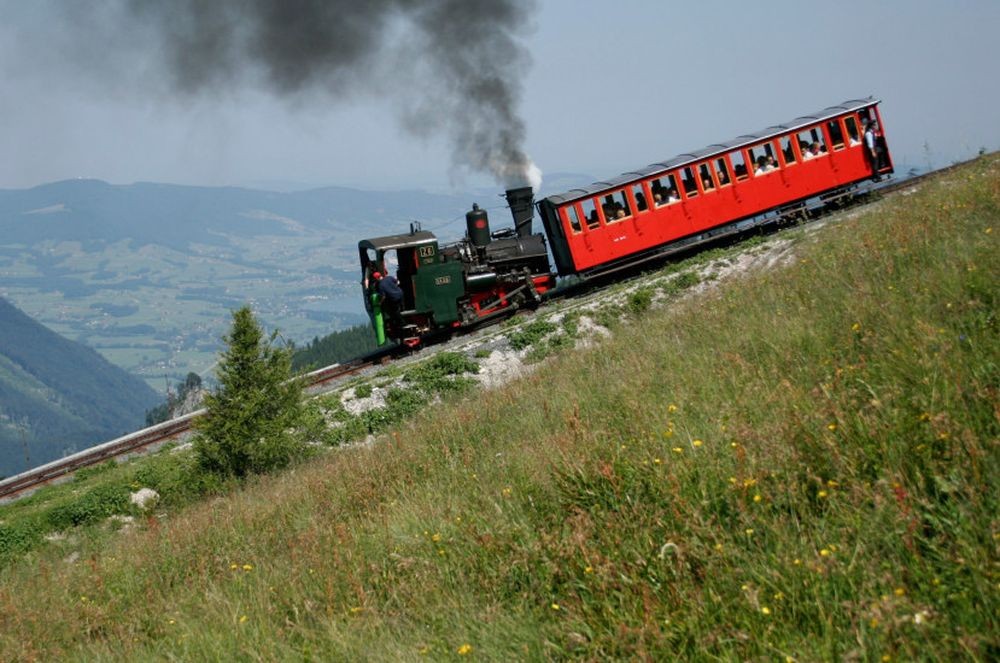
798, 465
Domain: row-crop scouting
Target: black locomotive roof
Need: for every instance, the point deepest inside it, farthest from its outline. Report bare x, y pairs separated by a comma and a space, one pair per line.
390, 242
717, 148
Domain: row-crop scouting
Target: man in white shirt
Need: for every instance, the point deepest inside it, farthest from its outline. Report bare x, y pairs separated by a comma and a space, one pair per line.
871, 148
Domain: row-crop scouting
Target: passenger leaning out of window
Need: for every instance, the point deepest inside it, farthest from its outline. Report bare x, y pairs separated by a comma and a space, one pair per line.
871, 147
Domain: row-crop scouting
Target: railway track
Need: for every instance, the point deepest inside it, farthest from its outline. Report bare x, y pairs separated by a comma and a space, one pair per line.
148, 439
151, 438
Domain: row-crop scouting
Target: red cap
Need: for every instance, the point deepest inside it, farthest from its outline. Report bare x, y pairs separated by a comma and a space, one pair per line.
376, 275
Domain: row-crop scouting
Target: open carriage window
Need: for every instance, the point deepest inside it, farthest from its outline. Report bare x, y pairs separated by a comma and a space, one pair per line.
852, 130
705, 175
739, 165
616, 207
836, 135
590, 213
664, 190
763, 159
640, 197
787, 151
722, 171
812, 144
687, 180
574, 219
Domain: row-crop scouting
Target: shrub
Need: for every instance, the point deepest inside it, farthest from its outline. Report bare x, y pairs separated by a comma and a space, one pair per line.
250, 426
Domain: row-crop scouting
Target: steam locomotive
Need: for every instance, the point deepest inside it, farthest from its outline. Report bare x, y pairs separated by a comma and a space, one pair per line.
484, 275
724, 189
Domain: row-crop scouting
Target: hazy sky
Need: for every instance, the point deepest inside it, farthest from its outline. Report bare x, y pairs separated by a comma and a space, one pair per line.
613, 86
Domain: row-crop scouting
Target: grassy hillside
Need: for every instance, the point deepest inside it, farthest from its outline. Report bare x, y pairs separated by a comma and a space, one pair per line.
801, 465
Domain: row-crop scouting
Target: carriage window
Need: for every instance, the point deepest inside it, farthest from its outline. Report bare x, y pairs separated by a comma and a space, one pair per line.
852, 130
811, 143
722, 171
687, 179
590, 213
574, 218
787, 151
616, 207
763, 159
664, 190
836, 135
705, 175
640, 198
739, 165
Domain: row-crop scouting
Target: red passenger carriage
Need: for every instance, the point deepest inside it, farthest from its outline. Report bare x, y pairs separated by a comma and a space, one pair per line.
722, 189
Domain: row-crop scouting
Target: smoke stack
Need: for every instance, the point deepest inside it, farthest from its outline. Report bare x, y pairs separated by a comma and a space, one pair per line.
521, 203
478, 225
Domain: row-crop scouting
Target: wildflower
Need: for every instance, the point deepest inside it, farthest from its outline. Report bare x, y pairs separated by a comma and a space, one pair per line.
507, 491
436, 537
757, 498
243, 619
718, 547
766, 610
732, 480
749, 483
677, 450
856, 326
588, 569
989, 230
464, 649
831, 427
671, 408
873, 622
899, 591
356, 609
657, 461
778, 596
423, 651
749, 531
821, 494
248, 567
83, 599
555, 606
668, 433
697, 443
171, 621
825, 552
832, 484
458, 519
234, 566
886, 658
733, 445
797, 562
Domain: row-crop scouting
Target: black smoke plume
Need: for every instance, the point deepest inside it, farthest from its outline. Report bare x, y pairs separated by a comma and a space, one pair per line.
453, 67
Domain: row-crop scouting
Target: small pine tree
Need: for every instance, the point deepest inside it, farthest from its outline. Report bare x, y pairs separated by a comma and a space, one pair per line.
253, 415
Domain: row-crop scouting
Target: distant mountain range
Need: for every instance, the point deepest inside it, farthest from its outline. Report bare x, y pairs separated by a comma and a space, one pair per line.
57, 396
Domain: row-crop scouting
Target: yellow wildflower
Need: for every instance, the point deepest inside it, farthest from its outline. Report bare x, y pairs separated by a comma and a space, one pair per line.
766, 610
507, 491
436, 537
464, 649
749, 531
824, 552
234, 566
677, 450
832, 484
588, 569
856, 326
821, 494
243, 619
899, 591
697, 443
657, 461
797, 561
248, 567
671, 408
757, 498
555, 606
831, 427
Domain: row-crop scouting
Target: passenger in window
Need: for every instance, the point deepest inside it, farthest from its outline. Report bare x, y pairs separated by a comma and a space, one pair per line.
765, 164
811, 152
706, 183
672, 196
640, 201
723, 178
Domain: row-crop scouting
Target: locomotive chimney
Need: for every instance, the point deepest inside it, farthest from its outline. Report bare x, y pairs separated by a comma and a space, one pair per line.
478, 224
521, 201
